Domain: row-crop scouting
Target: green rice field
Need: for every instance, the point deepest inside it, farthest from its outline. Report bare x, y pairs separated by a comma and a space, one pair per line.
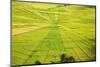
42, 32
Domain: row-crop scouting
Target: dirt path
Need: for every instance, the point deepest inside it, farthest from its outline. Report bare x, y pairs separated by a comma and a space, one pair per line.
17, 31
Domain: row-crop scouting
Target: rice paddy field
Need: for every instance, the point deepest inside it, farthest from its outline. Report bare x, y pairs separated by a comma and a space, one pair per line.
42, 32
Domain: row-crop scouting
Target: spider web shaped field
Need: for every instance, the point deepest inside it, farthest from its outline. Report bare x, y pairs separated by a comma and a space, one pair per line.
43, 32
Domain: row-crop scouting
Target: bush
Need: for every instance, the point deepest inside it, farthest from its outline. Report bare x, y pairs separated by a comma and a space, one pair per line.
38, 63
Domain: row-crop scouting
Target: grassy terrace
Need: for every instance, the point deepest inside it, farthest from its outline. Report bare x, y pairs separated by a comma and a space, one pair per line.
43, 32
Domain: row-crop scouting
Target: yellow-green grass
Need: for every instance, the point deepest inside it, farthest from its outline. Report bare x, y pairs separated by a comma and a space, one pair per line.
70, 31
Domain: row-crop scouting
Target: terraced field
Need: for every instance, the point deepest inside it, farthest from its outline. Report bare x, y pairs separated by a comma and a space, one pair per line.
43, 32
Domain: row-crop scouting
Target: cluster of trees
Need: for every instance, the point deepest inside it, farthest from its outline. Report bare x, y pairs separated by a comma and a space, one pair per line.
63, 59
